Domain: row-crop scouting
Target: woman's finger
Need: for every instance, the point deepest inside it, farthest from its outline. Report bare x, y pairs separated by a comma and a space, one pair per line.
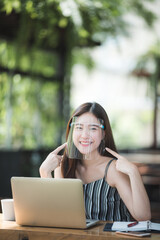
112, 152
58, 149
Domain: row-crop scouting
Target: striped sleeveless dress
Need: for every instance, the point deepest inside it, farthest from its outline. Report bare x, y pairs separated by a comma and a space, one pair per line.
103, 202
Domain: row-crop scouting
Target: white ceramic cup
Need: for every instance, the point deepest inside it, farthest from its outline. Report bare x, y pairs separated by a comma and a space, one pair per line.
8, 209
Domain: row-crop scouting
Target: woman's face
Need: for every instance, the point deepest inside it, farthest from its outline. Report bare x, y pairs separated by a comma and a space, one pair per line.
87, 133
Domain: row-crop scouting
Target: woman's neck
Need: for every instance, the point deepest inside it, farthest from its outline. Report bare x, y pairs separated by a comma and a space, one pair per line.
92, 160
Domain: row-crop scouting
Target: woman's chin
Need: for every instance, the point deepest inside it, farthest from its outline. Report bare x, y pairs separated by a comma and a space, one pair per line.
84, 149
85, 152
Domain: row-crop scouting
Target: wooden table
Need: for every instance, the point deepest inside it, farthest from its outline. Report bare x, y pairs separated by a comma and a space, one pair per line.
9, 230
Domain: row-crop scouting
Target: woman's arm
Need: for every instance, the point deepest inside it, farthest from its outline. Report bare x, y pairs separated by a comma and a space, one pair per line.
52, 161
58, 173
129, 184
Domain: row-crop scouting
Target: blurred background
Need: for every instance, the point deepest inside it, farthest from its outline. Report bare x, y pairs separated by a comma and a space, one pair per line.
58, 54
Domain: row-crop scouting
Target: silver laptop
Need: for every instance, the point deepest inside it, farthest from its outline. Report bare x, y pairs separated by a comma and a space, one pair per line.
49, 202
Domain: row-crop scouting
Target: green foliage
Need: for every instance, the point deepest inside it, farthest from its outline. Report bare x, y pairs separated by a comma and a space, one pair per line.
34, 113
34, 60
44, 31
83, 56
149, 63
86, 21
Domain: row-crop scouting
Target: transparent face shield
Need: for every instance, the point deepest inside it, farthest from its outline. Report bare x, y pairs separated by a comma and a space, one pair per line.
85, 138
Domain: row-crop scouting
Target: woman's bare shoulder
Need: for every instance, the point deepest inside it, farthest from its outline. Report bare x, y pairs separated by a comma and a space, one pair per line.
113, 175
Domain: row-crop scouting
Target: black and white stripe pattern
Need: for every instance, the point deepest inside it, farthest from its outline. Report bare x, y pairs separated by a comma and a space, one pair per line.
104, 203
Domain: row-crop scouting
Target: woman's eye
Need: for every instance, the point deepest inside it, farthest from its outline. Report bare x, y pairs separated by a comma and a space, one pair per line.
78, 127
93, 129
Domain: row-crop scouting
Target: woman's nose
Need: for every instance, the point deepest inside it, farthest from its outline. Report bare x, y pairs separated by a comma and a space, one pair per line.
85, 133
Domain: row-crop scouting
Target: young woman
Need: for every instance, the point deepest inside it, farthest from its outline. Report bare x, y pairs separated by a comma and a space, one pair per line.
113, 188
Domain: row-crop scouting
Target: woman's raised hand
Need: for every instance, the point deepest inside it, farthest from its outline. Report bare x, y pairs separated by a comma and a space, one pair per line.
52, 161
122, 164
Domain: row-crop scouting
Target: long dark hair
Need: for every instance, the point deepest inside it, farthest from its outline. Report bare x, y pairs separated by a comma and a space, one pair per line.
68, 166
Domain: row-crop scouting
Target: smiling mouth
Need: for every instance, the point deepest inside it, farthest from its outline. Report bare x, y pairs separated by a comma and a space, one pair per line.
85, 143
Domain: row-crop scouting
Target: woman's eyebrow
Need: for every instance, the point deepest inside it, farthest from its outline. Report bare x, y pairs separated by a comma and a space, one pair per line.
89, 124
97, 125
94, 124
79, 124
